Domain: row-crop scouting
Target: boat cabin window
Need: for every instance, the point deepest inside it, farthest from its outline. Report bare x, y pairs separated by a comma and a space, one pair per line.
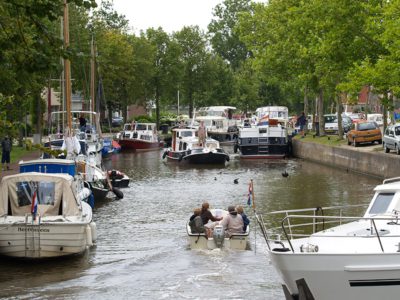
381, 203
45, 192
182, 146
186, 133
140, 127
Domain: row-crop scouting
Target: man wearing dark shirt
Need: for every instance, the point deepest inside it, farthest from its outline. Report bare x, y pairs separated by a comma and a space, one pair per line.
206, 216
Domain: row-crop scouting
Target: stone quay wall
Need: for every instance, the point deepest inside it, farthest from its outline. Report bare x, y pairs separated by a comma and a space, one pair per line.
377, 164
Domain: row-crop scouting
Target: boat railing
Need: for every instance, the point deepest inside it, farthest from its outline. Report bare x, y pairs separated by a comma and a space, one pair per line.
319, 218
391, 180
374, 232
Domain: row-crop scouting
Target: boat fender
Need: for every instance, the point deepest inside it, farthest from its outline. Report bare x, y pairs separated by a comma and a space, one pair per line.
180, 157
227, 158
93, 228
90, 200
89, 240
117, 193
235, 148
164, 154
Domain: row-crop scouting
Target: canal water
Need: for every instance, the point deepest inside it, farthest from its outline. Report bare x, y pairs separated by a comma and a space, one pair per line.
142, 250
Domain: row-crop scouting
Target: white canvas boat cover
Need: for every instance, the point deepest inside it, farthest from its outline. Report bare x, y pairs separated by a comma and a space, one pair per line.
54, 192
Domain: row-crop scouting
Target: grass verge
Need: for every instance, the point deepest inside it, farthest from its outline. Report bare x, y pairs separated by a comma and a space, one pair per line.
329, 140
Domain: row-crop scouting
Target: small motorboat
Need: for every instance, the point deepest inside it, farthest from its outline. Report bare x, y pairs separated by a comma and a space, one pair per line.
140, 137
237, 241
44, 215
187, 148
118, 178
108, 149
332, 254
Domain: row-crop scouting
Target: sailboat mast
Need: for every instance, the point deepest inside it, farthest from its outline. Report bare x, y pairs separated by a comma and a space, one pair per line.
67, 67
92, 76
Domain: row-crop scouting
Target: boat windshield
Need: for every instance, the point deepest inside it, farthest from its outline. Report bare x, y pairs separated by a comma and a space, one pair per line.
141, 127
44, 192
186, 133
381, 203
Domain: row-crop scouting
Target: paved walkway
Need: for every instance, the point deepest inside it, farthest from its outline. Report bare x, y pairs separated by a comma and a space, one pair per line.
15, 167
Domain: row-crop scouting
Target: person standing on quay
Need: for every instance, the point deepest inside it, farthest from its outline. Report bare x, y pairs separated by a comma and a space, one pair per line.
302, 122
6, 145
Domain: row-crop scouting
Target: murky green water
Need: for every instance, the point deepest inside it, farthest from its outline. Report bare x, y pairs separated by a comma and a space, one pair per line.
142, 251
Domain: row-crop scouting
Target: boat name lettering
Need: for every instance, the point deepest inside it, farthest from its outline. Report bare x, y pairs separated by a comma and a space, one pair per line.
33, 229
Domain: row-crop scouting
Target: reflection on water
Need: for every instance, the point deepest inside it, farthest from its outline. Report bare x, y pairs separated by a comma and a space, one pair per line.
142, 250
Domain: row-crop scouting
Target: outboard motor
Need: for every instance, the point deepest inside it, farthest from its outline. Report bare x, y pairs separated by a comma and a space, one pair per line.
219, 236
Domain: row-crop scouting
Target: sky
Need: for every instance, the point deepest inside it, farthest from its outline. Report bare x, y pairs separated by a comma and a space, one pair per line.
171, 15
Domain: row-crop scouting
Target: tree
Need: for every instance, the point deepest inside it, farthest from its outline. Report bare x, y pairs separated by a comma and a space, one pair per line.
224, 37
192, 42
165, 63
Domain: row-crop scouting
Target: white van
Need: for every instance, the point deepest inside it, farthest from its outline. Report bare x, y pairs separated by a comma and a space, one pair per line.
378, 118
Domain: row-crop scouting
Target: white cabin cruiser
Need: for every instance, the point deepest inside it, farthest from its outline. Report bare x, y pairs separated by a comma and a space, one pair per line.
186, 147
140, 137
357, 258
268, 138
44, 215
219, 122
237, 241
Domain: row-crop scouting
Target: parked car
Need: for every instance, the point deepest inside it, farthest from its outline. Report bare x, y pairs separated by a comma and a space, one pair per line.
331, 124
117, 121
391, 139
356, 117
364, 132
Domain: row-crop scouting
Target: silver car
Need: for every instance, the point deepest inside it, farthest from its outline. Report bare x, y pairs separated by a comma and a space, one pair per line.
391, 139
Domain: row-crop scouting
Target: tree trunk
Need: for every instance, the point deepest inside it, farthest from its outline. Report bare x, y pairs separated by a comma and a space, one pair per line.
321, 119
339, 115
306, 107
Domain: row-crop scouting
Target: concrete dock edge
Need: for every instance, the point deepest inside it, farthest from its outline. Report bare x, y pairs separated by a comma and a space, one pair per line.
377, 164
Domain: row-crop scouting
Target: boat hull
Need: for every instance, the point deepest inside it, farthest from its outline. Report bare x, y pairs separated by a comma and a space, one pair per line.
44, 240
139, 145
198, 158
340, 276
263, 151
207, 158
202, 242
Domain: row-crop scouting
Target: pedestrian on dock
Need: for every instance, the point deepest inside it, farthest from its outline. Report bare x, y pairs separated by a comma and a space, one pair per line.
301, 122
6, 145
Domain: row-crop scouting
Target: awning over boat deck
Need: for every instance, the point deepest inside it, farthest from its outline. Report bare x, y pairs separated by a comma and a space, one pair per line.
54, 192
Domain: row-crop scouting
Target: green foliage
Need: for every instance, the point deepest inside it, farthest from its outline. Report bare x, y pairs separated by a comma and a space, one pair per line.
144, 119
224, 36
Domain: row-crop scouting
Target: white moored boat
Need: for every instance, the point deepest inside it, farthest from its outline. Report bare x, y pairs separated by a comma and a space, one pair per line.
357, 258
186, 147
268, 139
60, 224
237, 241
